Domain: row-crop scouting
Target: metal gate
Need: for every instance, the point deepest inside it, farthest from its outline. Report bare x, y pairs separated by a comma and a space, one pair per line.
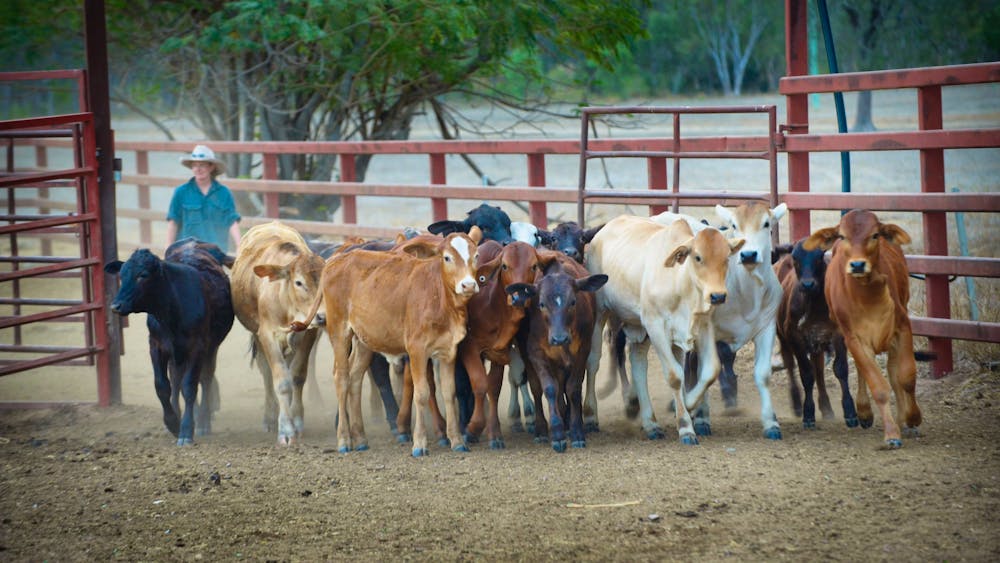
30, 220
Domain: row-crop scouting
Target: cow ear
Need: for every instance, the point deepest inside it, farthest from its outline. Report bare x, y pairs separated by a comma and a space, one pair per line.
823, 239
778, 251
679, 254
447, 227
724, 214
485, 272
519, 294
113, 267
418, 248
400, 239
591, 283
476, 234
779, 211
895, 233
544, 237
547, 258
736, 245
271, 272
589, 234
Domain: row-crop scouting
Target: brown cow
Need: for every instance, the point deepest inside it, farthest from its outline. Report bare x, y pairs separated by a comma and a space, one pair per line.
395, 303
867, 291
274, 281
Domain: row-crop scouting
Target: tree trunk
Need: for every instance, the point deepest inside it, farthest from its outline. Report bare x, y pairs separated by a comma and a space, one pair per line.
863, 118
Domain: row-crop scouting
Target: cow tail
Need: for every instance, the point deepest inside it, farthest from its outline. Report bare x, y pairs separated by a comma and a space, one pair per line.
299, 326
617, 345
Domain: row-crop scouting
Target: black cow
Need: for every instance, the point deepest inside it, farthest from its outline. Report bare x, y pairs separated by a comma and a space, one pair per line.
493, 221
555, 340
807, 334
568, 238
190, 312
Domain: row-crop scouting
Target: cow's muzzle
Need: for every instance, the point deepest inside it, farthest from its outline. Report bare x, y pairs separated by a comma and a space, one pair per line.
748, 257
858, 267
717, 298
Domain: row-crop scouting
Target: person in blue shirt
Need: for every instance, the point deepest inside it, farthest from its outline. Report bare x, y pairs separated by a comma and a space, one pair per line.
203, 208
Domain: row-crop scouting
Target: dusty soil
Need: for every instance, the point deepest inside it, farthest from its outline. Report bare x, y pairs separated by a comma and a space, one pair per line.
83, 483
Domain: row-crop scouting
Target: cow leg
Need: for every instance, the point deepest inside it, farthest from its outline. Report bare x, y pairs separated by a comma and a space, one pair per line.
301, 347
161, 382
446, 366
516, 378
360, 360
379, 370
405, 417
794, 393
189, 390
708, 371
541, 424
819, 369
209, 395
476, 373
495, 382
270, 422
864, 359
700, 415
673, 371
727, 377
341, 344
464, 394
590, 420
639, 358
807, 373
763, 346
840, 372
421, 396
439, 422
552, 392
574, 391
902, 368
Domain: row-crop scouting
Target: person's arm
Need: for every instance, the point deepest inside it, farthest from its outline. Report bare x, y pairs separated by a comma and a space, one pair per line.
171, 232
234, 234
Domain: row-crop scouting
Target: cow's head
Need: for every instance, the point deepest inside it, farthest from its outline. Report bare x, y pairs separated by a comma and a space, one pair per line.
568, 238
298, 282
707, 255
459, 256
140, 282
556, 295
860, 235
515, 263
810, 267
524, 232
752, 222
491, 220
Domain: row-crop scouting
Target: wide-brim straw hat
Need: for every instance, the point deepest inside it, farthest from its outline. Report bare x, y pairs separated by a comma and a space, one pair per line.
201, 153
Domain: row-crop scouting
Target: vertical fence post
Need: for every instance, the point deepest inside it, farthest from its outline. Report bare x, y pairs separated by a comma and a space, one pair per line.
42, 162
271, 207
935, 224
797, 109
439, 205
536, 178
349, 203
656, 179
142, 168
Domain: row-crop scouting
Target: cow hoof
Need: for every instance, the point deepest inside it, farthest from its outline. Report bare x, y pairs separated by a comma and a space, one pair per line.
632, 409
420, 452
866, 422
893, 443
851, 422
361, 448
689, 440
185, 442
655, 434
702, 428
591, 427
497, 444
579, 444
772, 433
516, 426
809, 424
911, 432
559, 445
541, 439
471, 438
344, 449
530, 427
284, 440
460, 448
444, 442
404, 438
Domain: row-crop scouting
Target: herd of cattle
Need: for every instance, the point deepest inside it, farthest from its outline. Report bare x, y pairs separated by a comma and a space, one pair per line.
434, 308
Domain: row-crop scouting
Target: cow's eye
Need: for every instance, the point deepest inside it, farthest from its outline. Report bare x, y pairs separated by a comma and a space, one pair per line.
875, 236
767, 224
697, 258
447, 258
541, 305
298, 283
503, 267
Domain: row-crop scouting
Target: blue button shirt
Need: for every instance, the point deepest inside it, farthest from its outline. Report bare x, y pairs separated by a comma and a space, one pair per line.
205, 217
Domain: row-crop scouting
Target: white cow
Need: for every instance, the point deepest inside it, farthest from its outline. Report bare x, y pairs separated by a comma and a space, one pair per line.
749, 311
663, 284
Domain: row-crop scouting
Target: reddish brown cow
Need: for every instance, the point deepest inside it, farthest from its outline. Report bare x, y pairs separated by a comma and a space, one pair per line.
867, 291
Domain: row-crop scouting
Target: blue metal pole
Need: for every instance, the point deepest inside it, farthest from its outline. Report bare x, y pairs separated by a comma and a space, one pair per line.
838, 97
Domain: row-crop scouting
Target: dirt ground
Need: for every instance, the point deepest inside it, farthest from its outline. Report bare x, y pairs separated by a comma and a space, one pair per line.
85, 484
